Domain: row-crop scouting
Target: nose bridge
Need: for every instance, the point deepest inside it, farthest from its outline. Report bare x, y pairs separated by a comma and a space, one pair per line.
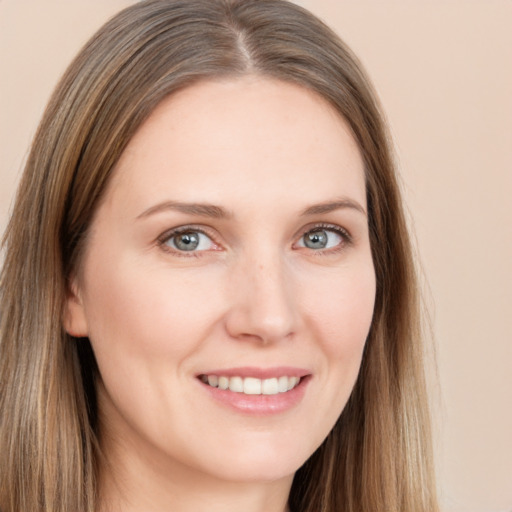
264, 304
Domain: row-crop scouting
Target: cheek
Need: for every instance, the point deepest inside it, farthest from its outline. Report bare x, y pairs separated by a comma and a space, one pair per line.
341, 308
141, 313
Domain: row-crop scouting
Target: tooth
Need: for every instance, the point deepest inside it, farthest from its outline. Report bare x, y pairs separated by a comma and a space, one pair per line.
223, 383
269, 387
236, 384
292, 382
282, 384
252, 386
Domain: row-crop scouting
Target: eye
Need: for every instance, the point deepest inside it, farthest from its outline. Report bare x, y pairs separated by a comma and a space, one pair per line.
188, 240
321, 238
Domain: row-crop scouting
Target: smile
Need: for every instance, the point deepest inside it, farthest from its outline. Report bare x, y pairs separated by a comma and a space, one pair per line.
252, 385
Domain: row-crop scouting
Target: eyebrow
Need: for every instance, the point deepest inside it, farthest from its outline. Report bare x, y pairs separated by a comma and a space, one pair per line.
330, 206
198, 209
218, 212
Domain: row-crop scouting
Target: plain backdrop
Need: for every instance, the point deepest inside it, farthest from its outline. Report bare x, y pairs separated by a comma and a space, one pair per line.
443, 70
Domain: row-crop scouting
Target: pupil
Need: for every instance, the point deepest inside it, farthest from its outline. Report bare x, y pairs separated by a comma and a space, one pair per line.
187, 241
316, 239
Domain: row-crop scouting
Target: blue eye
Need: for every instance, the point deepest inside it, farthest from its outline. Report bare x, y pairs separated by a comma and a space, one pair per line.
189, 241
322, 238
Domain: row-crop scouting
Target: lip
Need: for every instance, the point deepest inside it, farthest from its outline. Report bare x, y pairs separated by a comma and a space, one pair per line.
258, 373
258, 405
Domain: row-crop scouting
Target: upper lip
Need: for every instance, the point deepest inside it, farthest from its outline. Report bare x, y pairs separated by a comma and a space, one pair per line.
258, 373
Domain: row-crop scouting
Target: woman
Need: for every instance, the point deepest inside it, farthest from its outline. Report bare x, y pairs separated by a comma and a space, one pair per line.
208, 296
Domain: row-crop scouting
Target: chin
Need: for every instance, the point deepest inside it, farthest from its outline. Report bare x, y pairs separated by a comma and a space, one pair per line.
261, 462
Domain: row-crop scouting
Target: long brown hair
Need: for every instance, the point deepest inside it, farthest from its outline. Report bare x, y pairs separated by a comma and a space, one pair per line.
378, 456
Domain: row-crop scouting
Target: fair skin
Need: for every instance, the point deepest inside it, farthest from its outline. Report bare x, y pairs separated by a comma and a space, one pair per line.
269, 282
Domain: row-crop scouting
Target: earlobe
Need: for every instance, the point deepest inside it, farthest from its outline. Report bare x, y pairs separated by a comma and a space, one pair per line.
74, 319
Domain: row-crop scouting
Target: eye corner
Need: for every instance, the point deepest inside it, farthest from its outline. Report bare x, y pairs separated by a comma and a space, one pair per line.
195, 241
324, 238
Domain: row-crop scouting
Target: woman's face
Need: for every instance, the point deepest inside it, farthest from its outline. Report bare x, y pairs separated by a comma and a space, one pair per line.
231, 249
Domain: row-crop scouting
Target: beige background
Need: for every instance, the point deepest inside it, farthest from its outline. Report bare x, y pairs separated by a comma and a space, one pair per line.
444, 73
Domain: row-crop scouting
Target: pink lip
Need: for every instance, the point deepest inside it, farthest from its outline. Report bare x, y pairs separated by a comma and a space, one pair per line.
259, 405
259, 373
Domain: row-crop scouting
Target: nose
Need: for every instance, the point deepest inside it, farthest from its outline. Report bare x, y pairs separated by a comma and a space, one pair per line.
262, 303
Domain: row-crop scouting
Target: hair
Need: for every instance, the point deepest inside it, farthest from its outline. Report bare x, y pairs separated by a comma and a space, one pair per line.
378, 456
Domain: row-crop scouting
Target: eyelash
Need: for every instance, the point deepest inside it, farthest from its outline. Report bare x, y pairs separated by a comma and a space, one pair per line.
347, 240
168, 235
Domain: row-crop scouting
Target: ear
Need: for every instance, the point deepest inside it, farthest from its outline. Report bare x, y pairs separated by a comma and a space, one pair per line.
74, 319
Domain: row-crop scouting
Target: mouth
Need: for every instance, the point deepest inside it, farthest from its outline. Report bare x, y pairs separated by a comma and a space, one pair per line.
252, 385
257, 391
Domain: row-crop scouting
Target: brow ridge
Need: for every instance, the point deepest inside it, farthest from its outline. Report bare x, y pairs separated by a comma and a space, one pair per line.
218, 212
199, 209
330, 206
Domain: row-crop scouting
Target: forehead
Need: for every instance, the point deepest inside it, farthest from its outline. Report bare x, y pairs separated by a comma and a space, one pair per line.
243, 137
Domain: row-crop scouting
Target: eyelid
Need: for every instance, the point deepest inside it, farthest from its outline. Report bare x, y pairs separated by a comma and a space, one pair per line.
164, 238
341, 231
326, 225
167, 235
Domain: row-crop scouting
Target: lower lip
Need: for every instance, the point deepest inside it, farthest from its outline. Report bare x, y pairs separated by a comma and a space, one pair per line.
259, 405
